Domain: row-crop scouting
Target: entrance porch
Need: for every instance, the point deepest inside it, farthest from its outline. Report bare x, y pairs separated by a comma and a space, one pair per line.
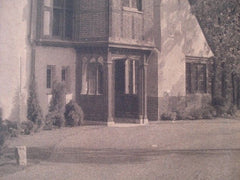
112, 85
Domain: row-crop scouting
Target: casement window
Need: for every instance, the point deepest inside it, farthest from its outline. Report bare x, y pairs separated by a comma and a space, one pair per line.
94, 79
130, 77
58, 19
50, 75
135, 4
65, 77
196, 78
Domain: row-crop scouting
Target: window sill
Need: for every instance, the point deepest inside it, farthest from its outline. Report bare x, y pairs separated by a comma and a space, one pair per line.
134, 10
91, 94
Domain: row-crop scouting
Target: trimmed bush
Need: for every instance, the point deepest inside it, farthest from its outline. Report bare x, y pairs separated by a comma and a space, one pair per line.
58, 100
34, 112
74, 115
55, 116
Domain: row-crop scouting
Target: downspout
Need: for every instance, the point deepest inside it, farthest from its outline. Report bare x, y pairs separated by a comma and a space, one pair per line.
32, 40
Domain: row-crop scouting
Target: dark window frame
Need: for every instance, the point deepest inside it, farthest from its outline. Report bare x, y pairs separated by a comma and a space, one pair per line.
95, 76
196, 77
131, 80
63, 28
50, 76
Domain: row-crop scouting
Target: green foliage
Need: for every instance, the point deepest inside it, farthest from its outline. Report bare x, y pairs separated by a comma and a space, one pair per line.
34, 112
73, 114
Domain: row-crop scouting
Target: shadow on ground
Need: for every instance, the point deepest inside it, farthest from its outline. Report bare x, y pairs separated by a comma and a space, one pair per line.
112, 156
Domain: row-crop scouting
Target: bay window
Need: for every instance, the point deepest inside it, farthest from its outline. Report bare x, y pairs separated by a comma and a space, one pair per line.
196, 78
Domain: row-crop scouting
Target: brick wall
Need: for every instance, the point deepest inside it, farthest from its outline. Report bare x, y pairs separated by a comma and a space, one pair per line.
92, 107
91, 19
152, 108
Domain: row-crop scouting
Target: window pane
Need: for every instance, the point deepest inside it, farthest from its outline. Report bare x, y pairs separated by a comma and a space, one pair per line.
188, 78
202, 78
139, 5
100, 79
64, 74
68, 24
57, 19
91, 78
127, 71
46, 23
49, 76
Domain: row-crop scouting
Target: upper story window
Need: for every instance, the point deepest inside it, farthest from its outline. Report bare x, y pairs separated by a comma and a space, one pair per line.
58, 19
135, 4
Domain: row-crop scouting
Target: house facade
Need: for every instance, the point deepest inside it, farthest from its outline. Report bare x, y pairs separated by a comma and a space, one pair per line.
119, 59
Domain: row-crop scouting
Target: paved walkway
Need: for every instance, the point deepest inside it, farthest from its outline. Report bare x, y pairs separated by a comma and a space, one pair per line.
205, 149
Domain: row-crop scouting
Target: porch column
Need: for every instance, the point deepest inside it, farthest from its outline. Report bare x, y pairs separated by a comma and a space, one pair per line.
109, 89
142, 91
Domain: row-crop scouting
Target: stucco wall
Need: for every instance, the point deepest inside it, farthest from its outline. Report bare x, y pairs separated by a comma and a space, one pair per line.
53, 56
14, 57
177, 34
181, 36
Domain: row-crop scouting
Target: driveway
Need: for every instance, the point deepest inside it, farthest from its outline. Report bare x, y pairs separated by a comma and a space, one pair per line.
204, 149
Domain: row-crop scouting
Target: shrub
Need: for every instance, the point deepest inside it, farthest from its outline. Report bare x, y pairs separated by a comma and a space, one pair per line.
192, 113
34, 112
58, 100
27, 127
195, 114
73, 114
219, 103
208, 112
168, 116
55, 116
11, 128
232, 110
2, 133
54, 119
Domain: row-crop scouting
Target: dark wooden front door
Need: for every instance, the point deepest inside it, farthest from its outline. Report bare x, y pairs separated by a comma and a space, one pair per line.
126, 105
